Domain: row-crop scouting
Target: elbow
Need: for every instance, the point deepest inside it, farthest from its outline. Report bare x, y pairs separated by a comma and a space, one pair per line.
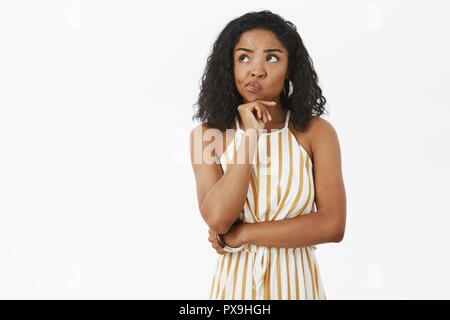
216, 219
218, 226
216, 223
338, 236
337, 232
335, 229
212, 218
334, 226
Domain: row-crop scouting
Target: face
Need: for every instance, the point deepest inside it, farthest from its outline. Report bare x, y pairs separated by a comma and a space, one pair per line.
260, 57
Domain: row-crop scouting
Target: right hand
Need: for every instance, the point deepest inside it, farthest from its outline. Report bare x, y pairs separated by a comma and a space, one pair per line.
212, 238
255, 121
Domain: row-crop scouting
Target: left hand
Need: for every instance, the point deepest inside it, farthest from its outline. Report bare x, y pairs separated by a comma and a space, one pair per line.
233, 238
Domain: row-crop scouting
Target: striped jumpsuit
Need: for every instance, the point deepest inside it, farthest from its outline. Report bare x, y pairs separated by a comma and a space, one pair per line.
281, 187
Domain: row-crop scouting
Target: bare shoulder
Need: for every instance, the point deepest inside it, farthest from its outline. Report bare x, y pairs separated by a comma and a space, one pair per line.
201, 128
317, 121
201, 137
210, 138
305, 138
321, 134
205, 131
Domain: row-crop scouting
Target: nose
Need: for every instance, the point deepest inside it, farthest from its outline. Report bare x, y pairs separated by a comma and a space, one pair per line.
258, 74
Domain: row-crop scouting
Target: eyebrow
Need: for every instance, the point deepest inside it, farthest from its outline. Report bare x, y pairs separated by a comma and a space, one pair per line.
267, 50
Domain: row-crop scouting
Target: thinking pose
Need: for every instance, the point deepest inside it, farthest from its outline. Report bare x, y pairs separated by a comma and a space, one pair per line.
271, 159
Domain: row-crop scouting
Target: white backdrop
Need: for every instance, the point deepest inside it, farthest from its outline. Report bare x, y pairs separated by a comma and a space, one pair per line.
97, 193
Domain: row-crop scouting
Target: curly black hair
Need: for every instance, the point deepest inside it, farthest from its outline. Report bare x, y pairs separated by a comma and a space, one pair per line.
219, 98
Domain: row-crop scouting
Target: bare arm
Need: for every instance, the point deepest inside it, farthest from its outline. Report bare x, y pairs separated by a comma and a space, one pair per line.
300, 231
325, 225
221, 197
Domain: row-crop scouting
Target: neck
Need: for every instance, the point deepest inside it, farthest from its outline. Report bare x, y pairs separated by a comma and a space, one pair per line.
277, 113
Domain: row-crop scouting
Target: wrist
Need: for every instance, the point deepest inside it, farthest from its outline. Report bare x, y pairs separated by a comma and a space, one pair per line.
234, 239
242, 234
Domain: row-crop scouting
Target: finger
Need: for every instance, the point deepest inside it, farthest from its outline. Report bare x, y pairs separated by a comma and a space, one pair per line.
269, 117
261, 108
264, 111
218, 249
269, 102
255, 109
267, 113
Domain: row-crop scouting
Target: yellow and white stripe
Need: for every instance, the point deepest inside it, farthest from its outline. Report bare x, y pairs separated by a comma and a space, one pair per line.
281, 187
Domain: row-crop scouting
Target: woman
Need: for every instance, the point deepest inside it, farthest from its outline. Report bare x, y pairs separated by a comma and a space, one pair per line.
257, 197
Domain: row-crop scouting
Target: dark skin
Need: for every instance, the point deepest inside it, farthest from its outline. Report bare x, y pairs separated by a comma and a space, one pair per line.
319, 140
259, 56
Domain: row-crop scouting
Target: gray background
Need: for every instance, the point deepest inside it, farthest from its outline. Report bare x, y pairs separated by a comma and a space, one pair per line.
97, 193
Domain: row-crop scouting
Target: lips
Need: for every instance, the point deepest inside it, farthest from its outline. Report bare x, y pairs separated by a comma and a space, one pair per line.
252, 86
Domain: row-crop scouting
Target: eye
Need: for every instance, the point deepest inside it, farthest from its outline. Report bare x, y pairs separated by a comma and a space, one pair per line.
244, 56
273, 56
240, 58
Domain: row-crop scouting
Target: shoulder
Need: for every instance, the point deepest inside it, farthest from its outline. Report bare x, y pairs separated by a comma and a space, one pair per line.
315, 129
203, 137
203, 130
203, 127
320, 129
200, 128
324, 143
